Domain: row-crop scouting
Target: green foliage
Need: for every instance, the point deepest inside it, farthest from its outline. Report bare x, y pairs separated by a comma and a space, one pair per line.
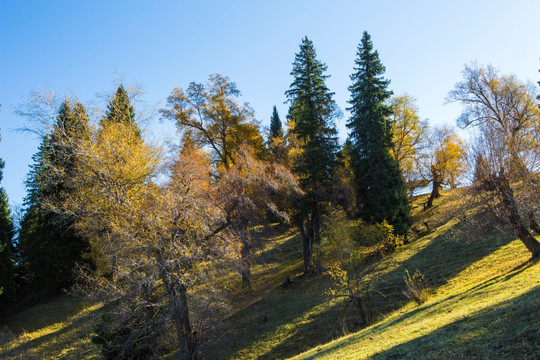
381, 192
311, 124
344, 189
416, 287
276, 128
311, 120
381, 235
49, 246
120, 110
277, 143
7, 250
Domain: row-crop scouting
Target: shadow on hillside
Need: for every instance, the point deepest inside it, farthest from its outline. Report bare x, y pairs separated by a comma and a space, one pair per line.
440, 261
285, 316
281, 323
56, 310
52, 342
501, 331
288, 249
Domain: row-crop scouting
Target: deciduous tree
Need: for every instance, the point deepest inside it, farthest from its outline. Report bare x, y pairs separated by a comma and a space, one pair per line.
159, 233
506, 117
443, 162
409, 137
212, 117
209, 117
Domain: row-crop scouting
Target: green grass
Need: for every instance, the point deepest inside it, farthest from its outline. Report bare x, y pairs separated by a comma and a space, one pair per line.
483, 304
58, 329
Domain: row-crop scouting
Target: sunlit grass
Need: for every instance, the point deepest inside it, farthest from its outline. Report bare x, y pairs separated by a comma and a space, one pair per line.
478, 309
483, 304
59, 329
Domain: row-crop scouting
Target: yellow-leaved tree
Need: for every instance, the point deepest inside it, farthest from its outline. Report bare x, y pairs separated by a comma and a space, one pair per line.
151, 223
410, 137
210, 117
444, 161
506, 117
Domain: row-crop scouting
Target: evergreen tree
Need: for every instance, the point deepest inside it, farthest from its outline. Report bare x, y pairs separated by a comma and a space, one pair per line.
276, 129
381, 192
7, 250
311, 114
120, 109
49, 245
277, 143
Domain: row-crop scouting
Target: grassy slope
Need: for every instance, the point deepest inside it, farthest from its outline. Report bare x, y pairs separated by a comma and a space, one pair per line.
484, 305
58, 329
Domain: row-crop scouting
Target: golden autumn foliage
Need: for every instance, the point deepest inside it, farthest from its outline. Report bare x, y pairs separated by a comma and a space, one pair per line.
213, 118
409, 135
150, 224
445, 162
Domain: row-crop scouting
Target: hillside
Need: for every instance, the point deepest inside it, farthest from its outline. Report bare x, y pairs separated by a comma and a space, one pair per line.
483, 304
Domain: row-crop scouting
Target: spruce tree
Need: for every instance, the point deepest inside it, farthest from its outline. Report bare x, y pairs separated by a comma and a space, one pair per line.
120, 110
381, 192
49, 245
276, 128
277, 143
311, 122
7, 250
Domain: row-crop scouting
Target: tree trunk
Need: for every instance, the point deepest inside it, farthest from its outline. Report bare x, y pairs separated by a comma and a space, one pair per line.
245, 252
533, 224
518, 227
307, 247
435, 193
189, 339
178, 304
317, 242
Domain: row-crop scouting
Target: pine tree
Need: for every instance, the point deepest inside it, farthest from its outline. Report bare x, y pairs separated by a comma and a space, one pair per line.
49, 245
7, 250
381, 192
276, 128
120, 110
277, 143
311, 114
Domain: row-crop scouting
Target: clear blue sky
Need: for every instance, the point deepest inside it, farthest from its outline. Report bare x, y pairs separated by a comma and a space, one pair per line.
82, 45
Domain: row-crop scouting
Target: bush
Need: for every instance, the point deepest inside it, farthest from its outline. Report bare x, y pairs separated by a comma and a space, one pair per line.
380, 234
128, 332
416, 287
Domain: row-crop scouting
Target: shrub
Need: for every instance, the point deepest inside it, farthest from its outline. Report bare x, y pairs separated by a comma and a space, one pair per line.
380, 234
416, 287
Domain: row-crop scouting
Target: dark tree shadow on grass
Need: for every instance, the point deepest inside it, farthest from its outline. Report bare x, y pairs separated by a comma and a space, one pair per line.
508, 330
49, 344
443, 258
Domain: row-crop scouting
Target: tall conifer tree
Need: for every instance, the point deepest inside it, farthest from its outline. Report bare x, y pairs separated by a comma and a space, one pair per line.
381, 192
120, 110
48, 244
276, 128
7, 250
277, 143
311, 121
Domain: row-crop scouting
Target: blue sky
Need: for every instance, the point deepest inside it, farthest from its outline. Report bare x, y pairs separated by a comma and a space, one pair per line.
83, 46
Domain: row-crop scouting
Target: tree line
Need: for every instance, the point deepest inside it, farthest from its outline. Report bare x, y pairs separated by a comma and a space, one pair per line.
148, 229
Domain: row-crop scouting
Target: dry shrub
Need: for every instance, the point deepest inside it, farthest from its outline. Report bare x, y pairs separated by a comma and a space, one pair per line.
416, 287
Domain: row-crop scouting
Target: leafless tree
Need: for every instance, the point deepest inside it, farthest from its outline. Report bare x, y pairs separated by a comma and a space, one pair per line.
506, 118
